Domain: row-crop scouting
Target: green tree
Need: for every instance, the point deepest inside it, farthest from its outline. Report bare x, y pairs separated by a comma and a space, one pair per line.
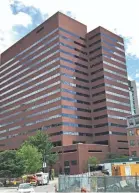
31, 157
43, 144
93, 162
10, 164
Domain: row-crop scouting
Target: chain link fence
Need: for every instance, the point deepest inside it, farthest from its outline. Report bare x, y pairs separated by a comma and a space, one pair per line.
99, 183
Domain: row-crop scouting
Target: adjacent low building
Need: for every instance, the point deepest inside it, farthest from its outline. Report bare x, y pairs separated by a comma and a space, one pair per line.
133, 97
133, 135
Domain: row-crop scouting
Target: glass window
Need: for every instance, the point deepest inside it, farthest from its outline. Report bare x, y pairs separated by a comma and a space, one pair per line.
131, 132
74, 162
132, 142
134, 153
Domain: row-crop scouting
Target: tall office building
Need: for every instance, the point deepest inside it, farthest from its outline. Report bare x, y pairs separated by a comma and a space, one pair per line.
133, 97
68, 82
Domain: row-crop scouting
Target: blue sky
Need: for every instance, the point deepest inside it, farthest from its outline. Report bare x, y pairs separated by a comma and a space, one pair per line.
18, 17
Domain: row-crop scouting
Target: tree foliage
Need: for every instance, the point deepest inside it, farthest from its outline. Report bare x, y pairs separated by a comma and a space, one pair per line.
31, 157
116, 156
10, 164
93, 161
43, 144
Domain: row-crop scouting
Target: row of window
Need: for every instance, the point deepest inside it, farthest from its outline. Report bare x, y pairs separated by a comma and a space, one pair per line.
70, 54
110, 125
74, 77
111, 93
49, 102
118, 95
110, 133
49, 118
110, 44
107, 50
21, 64
112, 109
41, 74
115, 73
107, 36
41, 89
52, 134
40, 40
117, 102
115, 80
71, 47
74, 70
33, 45
32, 93
35, 85
113, 52
74, 85
112, 101
49, 94
32, 65
115, 66
117, 87
72, 62
30, 73
33, 59
110, 116
45, 80
73, 92
118, 110
31, 101
114, 59
112, 38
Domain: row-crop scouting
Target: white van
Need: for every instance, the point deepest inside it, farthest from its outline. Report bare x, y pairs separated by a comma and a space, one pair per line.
43, 178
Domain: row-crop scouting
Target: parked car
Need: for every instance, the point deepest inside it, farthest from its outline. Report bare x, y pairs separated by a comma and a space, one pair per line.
25, 188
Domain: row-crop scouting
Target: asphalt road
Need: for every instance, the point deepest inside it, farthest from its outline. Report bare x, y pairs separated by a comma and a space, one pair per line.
39, 189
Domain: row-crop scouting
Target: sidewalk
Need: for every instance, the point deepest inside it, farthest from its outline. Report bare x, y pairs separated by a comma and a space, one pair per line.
55, 181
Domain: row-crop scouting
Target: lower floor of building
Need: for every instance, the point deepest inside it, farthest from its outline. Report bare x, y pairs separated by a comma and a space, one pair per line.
73, 159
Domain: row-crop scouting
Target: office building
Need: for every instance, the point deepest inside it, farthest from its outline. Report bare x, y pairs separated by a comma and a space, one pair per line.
133, 97
67, 82
133, 135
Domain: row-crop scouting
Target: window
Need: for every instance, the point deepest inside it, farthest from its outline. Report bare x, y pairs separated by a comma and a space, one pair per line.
100, 117
74, 162
131, 132
66, 163
101, 125
99, 101
99, 93
100, 109
132, 142
92, 37
102, 133
134, 153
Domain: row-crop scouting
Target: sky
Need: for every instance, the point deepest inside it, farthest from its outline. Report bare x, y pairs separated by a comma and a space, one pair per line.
18, 17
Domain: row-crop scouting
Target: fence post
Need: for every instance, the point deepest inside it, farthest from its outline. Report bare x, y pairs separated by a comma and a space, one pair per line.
105, 185
136, 183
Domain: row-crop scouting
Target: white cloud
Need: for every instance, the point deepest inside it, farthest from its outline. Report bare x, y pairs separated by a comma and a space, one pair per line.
7, 21
120, 15
137, 75
130, 78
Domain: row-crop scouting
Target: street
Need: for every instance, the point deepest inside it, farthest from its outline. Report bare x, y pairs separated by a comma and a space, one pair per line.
39, 189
